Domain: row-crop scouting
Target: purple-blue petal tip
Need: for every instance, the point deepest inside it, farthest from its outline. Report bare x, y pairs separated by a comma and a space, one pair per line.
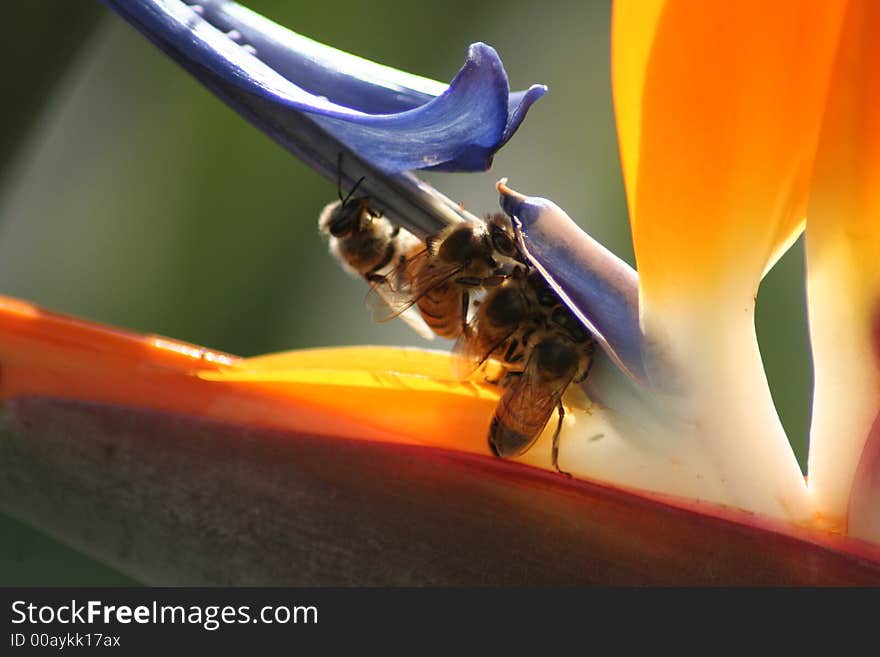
518, 106
275, 78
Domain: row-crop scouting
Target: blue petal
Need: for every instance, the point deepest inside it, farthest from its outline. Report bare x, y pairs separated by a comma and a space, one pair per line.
396, 121
596, 285
459, 129
343, 78
518, 105
352, 81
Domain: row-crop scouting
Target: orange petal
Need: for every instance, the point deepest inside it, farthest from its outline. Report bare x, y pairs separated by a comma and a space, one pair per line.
718, 107
324, 392
263, 495
843, 282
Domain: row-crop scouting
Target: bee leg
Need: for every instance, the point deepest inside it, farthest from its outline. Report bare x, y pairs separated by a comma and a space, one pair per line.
509, 377
504, 379
465, 306
511, 351
494, 380
500, 378
493, 281
561, 412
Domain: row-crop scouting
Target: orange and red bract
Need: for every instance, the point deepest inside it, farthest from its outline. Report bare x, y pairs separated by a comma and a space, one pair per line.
61, 374
333, 392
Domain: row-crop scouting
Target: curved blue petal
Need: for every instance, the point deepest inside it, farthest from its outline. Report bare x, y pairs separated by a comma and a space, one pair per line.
518, 105
597, 286
343, 78
458, 129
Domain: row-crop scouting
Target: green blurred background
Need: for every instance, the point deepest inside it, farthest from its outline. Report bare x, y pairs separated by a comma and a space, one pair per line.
130, 195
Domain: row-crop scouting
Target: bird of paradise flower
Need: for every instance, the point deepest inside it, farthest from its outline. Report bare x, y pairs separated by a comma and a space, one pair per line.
719, 179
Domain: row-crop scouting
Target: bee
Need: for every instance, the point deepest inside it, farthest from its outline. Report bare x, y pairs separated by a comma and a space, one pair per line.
530, 397
440, 280
368, 245
542, 349
520, 324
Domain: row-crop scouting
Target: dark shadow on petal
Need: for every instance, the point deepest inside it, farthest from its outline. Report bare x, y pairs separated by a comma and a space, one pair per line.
172, 499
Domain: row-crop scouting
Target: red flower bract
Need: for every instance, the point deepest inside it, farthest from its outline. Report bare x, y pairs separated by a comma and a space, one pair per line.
177, 493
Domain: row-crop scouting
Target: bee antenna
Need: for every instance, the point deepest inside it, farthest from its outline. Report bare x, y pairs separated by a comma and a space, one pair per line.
339, 181
339, 177
353, 189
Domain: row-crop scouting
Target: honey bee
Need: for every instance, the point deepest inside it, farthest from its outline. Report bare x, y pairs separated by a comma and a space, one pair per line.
530, 397
368, 245
542, 349
521, 324
504, 324
440, 279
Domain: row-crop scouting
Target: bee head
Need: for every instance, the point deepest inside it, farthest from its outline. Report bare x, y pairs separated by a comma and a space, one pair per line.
502, 236
541, 291
568, 323
344, 218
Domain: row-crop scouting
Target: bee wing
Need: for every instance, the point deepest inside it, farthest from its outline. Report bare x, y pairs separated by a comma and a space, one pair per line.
525, 408
408, 244
391, 294
414, 320
406, 284
474, 346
